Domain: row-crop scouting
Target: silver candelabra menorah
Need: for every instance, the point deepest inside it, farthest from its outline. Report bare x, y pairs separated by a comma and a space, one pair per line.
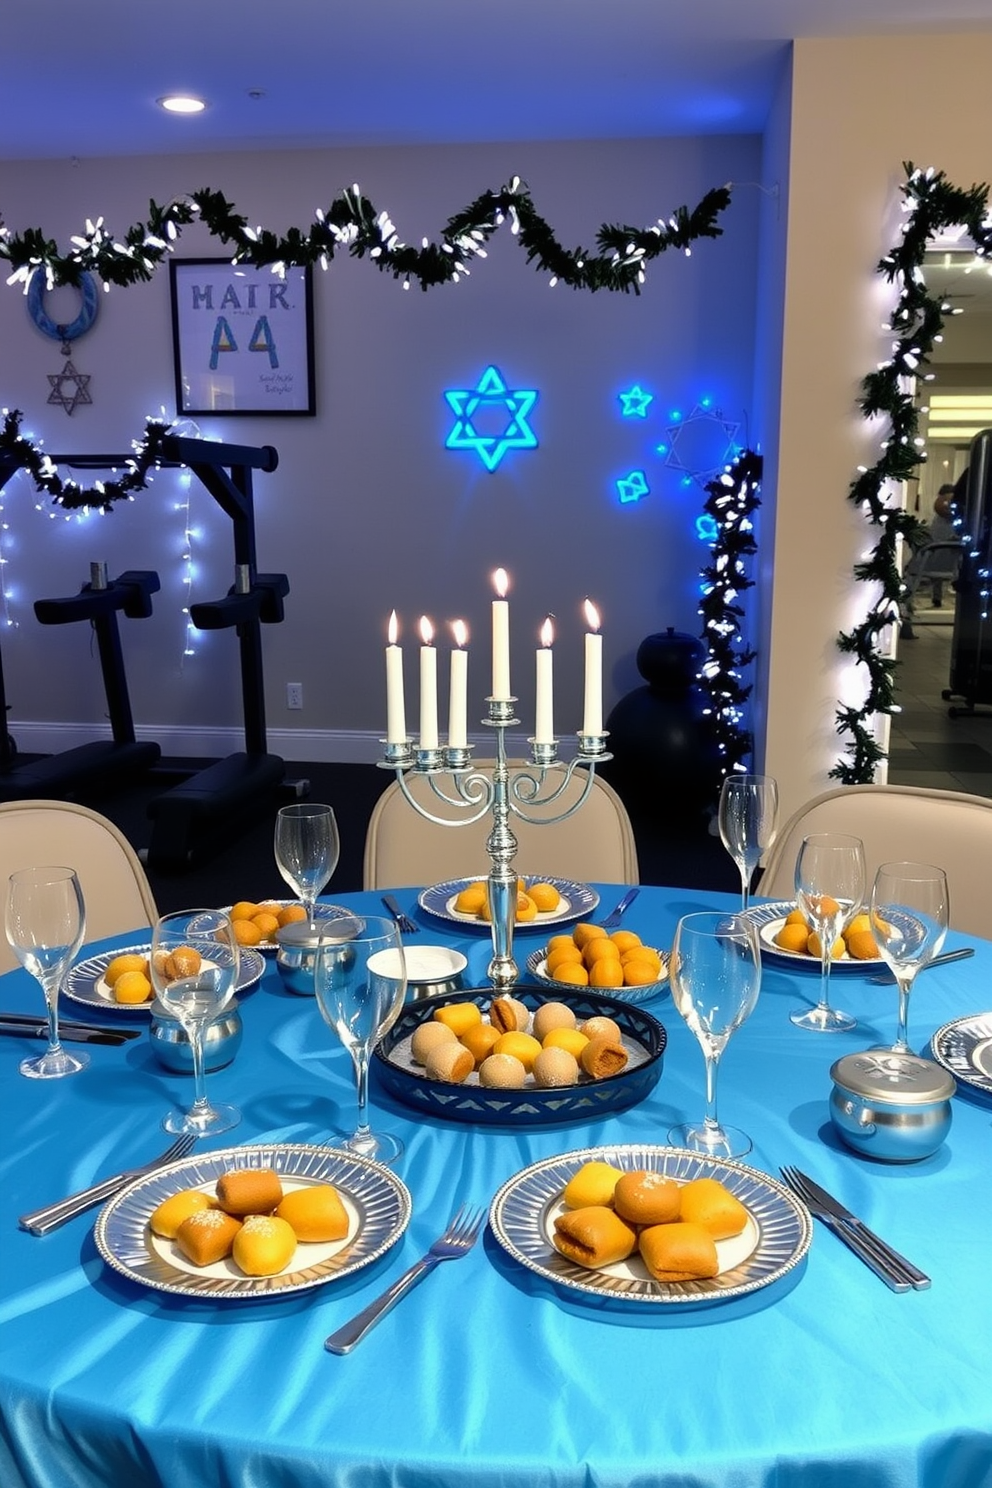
529, 793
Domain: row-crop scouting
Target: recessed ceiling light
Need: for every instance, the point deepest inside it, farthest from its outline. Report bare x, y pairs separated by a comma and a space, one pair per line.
182, 103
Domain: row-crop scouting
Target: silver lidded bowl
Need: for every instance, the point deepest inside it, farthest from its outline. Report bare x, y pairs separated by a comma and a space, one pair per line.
298, 945
890, 1105
171, 1046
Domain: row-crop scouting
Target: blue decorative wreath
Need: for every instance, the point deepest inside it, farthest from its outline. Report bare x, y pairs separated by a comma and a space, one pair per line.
87, 310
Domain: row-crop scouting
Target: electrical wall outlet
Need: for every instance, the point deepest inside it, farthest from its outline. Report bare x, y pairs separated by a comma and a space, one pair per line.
294, 694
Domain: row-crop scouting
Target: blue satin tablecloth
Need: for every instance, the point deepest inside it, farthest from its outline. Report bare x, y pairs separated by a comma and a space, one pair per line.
484, 1376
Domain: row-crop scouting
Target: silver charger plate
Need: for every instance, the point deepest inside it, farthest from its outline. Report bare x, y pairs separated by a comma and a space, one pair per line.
536, 965
84, 981
964, 1048
770, 918
378, 1205
577, 902
777, 1236
320, 912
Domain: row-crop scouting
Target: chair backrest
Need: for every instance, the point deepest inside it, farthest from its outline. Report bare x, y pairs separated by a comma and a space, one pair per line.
116, 891
900, 822
596, 844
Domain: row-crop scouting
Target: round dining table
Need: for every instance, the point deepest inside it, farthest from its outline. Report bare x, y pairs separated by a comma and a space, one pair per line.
491, 1374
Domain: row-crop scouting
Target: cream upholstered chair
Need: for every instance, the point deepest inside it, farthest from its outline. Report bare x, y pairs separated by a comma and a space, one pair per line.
116, 891
595, 844
900, 822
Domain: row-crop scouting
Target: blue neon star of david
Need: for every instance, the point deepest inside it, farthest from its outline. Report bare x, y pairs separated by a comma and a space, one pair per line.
490, 401
633, 486
635, 402
724, 437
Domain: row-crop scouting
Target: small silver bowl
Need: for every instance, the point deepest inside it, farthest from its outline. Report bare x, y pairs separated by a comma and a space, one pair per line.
433, 971
892, 1106
171, 1045
298, 945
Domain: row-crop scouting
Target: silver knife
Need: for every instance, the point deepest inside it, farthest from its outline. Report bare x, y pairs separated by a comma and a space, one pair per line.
67, 1035
70, 1025
855, 1226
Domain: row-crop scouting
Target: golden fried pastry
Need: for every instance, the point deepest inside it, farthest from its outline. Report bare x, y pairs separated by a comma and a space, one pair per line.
565, 1038
600, 1025
166, 1219
449, 1061
459, 1016
207, 1236
315, 1212
594, 1236
184, 961
478, 1041
427, 1037
264, 1245
249, 1191
603, 1056
522, 1046
508, 1014
644, 1197
592, 1184
678, 1252
555, 1068
707, 1202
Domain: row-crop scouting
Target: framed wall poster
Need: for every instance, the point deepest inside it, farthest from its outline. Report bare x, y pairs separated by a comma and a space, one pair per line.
242, 338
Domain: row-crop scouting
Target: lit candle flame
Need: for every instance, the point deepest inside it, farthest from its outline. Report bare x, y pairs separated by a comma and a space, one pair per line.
394, 629
426, 631
501, 582
460, 632
547, 632
592, 615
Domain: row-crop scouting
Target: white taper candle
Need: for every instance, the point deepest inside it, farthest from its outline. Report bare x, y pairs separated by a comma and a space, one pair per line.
458, 690
501, 637
395, 703
544, 720
428, 687
592, 720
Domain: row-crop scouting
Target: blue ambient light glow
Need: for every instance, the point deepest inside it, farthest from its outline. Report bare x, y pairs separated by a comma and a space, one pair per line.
635, 402
491, 419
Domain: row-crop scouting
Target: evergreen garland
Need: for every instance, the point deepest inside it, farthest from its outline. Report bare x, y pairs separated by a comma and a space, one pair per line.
352, 224
932, 205
17, 452
732, 501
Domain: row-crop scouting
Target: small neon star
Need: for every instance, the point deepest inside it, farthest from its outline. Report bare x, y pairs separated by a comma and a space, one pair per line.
702, 453
79, 387
490, 401
633, 487
635, 402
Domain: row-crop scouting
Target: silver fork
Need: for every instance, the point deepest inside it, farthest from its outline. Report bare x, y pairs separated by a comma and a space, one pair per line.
457, 1240
406, 925
867, 1247
42, 1221
615, 915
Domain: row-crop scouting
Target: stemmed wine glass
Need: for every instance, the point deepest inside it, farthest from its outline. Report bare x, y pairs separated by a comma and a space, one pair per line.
830, 889
194, 970
715, 975
909, 912
747, 817
360, 985
45, 921
307, 848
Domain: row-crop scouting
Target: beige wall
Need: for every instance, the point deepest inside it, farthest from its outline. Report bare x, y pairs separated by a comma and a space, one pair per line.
859, 110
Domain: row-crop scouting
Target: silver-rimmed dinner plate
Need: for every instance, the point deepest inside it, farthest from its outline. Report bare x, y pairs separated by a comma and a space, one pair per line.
84, 982
964, 1048
537, 966
577, 902
320, 912
643, 1037
776, 1237
378, 1206
770, 918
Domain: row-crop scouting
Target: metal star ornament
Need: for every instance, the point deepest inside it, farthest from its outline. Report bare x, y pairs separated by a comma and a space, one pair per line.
77, 384
702, 453
487, 408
